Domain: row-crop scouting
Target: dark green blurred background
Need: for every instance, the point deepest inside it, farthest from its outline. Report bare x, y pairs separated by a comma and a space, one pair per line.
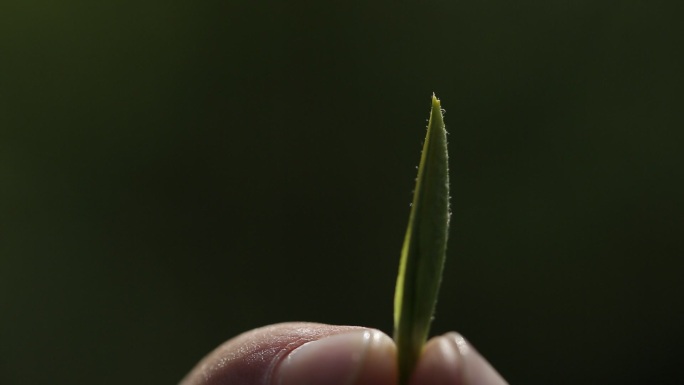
174, 173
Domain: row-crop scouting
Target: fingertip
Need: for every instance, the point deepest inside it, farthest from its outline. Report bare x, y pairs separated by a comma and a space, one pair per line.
476, 369
251, 357
360, 357
380, 367
439, 364
451, 360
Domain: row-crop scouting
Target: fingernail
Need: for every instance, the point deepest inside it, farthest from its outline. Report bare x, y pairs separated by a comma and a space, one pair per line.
334, 360
476, 370
439, 364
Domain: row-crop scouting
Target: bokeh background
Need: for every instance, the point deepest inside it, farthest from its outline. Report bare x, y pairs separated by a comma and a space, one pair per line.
175, 173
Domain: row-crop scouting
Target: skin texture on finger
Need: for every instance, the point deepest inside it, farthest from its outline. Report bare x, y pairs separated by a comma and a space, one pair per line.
451, 360
300, 353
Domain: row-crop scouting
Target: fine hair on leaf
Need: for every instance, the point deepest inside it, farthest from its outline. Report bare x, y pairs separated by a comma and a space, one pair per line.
424, 249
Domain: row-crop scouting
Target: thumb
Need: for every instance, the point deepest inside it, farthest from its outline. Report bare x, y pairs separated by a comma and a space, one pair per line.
300, 353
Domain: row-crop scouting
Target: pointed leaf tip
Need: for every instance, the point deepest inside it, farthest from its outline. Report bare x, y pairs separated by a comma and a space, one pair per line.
424, 249
435, 101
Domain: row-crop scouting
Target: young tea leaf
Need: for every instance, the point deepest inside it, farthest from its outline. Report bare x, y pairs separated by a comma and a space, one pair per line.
424, 249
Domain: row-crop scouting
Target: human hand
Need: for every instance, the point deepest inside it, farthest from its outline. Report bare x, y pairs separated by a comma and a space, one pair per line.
318, 354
